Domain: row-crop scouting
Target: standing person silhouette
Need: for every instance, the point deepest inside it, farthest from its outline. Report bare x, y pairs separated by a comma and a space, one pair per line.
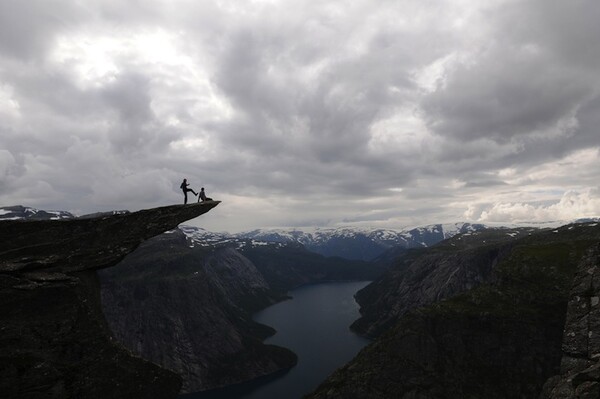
184, 187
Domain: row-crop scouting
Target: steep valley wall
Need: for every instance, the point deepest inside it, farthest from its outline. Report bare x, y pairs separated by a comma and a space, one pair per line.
54, 341
500, 339
190, 312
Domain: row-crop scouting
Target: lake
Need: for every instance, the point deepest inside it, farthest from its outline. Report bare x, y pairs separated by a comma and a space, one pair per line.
314, 325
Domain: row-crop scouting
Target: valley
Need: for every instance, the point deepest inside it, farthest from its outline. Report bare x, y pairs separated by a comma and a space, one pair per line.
453, 310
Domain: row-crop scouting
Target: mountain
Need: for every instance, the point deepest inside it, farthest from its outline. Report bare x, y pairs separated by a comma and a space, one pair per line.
287, 266
284, 264
579, 376
55, 341
349, 243
481, 315
19, 212
424, 276
189, 309
185, 300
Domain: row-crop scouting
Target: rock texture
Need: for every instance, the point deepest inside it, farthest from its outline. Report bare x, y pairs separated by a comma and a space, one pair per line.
53, 337
189, 309
500, 339
184, 300
422, 277
580, 366
435, 276
66, 246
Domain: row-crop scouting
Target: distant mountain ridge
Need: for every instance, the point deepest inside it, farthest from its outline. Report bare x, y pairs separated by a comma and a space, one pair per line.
19, 212
346, 242
354, 243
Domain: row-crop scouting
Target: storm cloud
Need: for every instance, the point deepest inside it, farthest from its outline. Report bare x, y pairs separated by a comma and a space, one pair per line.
304, 113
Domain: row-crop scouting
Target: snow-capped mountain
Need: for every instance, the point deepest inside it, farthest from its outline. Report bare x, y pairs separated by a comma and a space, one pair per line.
347, 242
19, 212
360, 243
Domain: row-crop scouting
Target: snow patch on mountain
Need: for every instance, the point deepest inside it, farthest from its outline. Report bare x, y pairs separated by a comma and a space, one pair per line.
19, 212
347, 242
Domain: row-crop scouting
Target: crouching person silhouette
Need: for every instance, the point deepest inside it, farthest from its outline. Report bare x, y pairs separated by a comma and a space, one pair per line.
202, 196
184, 187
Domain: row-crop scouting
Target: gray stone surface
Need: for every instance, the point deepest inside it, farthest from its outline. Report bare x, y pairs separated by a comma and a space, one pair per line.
54, 342
580, 366
190, 312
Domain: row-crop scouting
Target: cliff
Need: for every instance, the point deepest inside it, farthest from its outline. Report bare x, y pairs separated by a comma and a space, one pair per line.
421, 277
188, 308
580, 365
185, 300
499, 339
54, 338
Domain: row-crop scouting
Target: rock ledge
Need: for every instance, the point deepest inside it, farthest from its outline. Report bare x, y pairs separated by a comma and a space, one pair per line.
54, 341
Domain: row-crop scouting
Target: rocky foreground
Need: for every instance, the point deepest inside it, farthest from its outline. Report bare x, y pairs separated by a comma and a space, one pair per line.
54, 341
580, 365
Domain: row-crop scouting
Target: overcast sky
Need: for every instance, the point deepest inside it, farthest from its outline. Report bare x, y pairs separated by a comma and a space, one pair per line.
304, 113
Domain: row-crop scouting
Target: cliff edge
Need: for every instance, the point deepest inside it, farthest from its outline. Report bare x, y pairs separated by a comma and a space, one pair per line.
580, 364
54, 341
501, 339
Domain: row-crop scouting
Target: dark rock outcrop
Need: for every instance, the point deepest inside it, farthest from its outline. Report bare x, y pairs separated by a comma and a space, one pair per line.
452, 355
185, 281
189, 309
430, 278
580, 366
421, 277
501, 339
66, 246
53, 337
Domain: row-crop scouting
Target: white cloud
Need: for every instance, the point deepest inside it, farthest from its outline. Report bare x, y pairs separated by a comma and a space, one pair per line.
572, 205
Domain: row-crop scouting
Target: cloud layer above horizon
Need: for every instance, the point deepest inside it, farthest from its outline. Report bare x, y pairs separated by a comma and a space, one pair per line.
303, 113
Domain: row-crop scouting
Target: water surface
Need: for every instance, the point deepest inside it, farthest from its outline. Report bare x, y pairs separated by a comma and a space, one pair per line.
314, 325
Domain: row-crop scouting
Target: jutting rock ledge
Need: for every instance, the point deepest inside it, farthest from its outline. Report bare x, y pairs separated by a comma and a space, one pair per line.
54, 341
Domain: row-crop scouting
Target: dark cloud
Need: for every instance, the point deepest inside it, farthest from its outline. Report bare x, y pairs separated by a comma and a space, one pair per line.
525, 94
505, 96
27, 29
565, 29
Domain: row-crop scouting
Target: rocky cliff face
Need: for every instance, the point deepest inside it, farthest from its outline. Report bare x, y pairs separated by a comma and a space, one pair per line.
54, 339
184, 300
580, 366
189, 309
500, 339
423, 277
